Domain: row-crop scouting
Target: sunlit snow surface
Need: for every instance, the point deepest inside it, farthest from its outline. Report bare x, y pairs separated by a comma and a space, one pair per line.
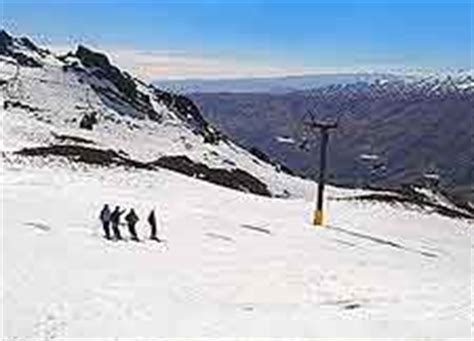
233, 264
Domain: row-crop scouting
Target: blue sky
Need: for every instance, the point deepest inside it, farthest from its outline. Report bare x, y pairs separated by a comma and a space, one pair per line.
175, 39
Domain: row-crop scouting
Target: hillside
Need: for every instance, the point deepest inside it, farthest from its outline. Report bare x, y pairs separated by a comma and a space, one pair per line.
233, 264
239, 256
414, 127
131, 122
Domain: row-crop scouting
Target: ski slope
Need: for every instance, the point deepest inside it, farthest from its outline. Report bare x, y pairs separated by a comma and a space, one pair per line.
233, 264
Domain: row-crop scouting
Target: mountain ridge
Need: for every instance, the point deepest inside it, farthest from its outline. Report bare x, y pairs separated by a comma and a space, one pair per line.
83, 96
414, 127
287, 84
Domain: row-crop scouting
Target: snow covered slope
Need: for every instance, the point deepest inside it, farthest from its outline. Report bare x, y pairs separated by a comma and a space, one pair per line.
134, 119
233, 264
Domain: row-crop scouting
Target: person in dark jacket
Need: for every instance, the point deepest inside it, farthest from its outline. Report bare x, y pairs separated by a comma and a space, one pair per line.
115, 221
152, 222
132, 220
105, 219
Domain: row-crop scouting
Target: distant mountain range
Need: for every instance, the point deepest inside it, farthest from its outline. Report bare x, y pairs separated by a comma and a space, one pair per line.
393, 130
280, 85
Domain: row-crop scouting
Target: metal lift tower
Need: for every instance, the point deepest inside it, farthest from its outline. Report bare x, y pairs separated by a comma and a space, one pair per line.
324, 127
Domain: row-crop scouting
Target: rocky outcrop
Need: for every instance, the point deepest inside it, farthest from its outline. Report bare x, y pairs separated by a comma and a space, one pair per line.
232, 178
11, 47
188, 111
103, 69
409, 198
85, 154
100, 66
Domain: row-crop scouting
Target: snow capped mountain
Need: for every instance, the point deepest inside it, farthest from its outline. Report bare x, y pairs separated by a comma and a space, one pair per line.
77, 132
422, 84
53, 96
461, 82
284, 85
414, 123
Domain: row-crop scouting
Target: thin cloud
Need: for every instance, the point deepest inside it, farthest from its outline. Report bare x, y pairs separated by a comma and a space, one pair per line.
161, 64
153, 65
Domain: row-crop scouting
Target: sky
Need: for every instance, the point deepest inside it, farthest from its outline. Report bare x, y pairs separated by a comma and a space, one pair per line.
244, 38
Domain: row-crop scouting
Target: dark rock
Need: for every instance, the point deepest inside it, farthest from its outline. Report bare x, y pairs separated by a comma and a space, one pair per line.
234, 178
410, 198
188, 111
17, 104
30, 45
352, 306
7, 48
85, 154
6, 41
88, 121
259, 154
104, 69
100, 67
286, 169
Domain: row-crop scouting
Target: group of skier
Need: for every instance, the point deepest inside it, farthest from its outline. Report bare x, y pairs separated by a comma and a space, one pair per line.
111, 222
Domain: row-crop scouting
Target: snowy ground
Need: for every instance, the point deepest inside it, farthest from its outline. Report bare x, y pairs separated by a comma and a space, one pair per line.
234, 264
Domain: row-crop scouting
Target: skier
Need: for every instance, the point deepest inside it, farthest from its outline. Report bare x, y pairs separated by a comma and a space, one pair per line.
152, 222
132, 219
115, 220
105, 219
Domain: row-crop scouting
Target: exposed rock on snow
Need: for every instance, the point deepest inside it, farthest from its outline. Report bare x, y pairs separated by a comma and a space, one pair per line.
84, 154
411, 198
189, 112
21, 49
233, 178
